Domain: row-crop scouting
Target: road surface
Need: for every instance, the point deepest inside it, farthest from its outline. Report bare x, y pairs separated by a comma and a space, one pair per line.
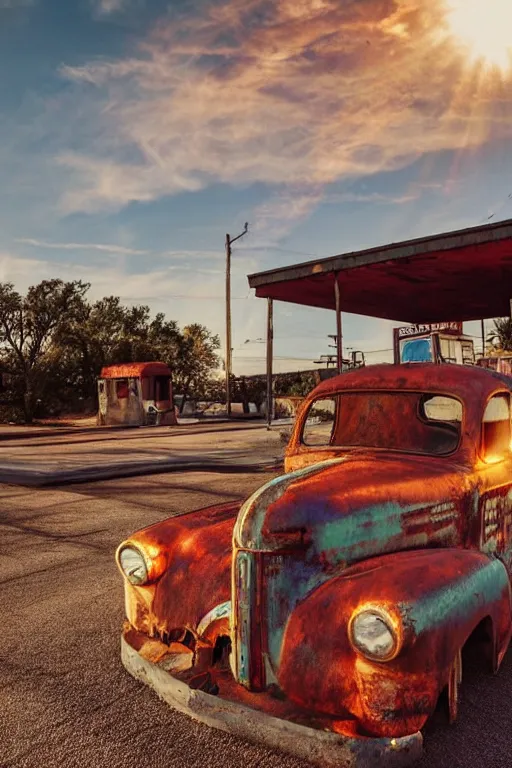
66, 701
94, 455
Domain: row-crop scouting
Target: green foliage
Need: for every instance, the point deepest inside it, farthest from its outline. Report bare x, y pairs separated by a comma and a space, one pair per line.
29, 329
249, 390
195, 360
297, 384
500, 337
54, 343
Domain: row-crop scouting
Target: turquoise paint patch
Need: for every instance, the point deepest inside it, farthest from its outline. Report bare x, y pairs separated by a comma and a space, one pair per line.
365, 531
336, 541
247, 530
221, 611
457, 600
245, 588
285, 590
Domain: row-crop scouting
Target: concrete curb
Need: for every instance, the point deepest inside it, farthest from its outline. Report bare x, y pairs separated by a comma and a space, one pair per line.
323, 749
32, 432
188, 429
33, 478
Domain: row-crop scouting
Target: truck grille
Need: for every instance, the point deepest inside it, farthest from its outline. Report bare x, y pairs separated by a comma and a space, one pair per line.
249, 620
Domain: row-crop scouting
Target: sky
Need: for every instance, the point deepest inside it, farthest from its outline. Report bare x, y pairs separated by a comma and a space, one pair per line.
136, 133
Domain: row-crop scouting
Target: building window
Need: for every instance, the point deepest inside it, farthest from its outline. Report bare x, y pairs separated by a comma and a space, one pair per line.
162, 388
122, 389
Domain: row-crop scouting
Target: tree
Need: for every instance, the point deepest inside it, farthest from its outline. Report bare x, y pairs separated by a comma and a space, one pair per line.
166, 339
196, 359
28, 330
254, 391
107, 333
297, 384
500, 337
54, 343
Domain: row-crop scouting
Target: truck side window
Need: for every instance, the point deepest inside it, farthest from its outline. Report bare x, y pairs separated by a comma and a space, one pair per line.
319, 425
440, 408
496, 433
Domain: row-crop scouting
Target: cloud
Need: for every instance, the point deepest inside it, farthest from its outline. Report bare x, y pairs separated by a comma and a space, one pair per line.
185, 294
16, 270
273, 219
372, 197
117, 249
145, 284
16, 3
121, 250
298, 95
186, 298
206, 255
108, 7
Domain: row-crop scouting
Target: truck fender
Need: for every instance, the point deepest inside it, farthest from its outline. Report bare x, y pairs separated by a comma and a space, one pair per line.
435, 598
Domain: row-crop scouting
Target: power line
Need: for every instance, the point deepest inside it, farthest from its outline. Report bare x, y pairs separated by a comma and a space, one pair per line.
301, 336
276, 357
303, 359
182, 296
281, 250
288, 250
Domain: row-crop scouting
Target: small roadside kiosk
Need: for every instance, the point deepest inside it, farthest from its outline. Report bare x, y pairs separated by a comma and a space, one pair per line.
463, 275
136, 394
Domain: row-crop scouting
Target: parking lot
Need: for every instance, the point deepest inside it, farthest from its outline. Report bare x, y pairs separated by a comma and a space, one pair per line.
67, 700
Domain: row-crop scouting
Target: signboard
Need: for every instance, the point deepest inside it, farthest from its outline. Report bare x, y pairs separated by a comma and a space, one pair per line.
424, 328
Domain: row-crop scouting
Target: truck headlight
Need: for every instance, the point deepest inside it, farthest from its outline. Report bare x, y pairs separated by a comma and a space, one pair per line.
133, 565
373, 635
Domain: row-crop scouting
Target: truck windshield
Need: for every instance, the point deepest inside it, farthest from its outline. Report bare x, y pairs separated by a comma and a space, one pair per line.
415, 422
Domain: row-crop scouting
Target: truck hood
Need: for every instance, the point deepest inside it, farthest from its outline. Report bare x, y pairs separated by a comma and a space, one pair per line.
357, 506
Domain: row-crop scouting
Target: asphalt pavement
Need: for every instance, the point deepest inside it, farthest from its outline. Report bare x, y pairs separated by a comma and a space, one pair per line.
65, 698
91, 455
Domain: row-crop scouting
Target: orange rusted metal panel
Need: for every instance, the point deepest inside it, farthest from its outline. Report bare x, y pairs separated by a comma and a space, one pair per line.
136, 394
464, 275
134, 370
339, 596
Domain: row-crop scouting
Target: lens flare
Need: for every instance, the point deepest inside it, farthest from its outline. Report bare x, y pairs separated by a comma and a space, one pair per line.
484, 27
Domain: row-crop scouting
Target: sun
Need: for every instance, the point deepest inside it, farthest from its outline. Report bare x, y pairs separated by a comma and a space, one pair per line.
484, 27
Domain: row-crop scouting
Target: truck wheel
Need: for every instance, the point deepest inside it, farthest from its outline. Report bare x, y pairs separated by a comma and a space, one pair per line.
454, 682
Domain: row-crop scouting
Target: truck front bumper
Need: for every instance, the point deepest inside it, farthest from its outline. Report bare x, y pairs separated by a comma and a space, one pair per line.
321, 748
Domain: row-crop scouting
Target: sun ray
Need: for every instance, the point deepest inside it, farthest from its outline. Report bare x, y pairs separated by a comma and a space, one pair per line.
484, 28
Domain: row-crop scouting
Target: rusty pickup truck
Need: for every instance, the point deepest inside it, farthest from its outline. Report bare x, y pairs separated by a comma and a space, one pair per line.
326, 615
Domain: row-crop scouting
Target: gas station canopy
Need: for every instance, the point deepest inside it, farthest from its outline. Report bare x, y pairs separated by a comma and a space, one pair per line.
463, 275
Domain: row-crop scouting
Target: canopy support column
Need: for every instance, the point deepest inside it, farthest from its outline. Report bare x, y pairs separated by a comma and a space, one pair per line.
270, 355
339, 337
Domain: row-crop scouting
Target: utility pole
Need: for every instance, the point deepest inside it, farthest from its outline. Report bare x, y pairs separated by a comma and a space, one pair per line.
326, 360
228, 366
339, 337
270, 355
